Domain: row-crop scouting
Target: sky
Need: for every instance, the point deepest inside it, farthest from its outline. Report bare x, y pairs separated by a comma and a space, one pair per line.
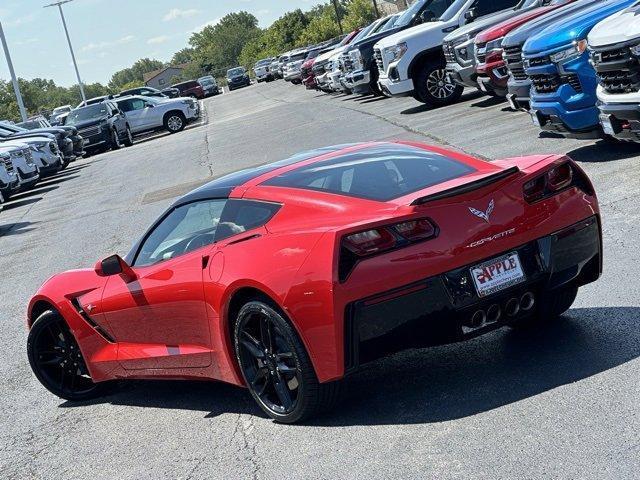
109, 35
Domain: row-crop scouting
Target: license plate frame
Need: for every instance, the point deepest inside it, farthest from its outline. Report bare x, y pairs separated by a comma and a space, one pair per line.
512, 274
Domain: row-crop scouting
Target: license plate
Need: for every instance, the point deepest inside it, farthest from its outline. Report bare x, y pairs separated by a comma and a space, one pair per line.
607, 126
535, 119
512, 102
482, 86
497, 274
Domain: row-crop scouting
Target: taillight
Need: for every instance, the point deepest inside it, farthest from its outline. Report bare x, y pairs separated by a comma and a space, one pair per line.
374, 241
370, 242
553, 181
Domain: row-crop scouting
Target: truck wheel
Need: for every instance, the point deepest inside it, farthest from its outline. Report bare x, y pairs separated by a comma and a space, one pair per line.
115, 139
434, 88
128, 139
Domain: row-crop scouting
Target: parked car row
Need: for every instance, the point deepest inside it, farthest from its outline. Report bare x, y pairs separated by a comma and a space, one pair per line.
574, 65
33, 150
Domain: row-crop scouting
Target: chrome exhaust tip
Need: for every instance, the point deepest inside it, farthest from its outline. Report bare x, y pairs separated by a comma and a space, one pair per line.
494, 312
527, 301
478, 319
512, 307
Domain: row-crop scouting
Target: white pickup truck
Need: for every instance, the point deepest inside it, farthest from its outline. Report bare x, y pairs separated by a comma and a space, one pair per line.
615, 54
412, 61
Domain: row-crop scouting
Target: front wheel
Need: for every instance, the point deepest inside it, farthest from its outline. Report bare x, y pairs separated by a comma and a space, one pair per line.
434, 88
115, 139
276, 367
56, 359
175, 122
128, 139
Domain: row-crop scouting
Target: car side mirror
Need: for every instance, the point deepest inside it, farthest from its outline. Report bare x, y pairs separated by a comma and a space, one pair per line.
150, 105
470, 15
115, 265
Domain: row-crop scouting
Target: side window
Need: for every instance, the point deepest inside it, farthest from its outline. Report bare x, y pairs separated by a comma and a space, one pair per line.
125, 105
185, 229
137, 104
435, 9
242, 215
486, 7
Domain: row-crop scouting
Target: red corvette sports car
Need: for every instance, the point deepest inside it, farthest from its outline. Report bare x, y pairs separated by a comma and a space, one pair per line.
286, 277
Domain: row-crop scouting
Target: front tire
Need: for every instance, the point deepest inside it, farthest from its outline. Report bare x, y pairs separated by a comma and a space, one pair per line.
115, 140
434, 88
56, 359
175, 122
276, 367
128, 139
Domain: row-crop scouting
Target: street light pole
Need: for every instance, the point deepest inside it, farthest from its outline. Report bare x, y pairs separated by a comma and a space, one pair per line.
73, 55
375, 8
335, 5
16, 85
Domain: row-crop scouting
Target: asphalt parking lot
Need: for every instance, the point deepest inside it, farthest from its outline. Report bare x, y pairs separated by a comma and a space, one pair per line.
560, 402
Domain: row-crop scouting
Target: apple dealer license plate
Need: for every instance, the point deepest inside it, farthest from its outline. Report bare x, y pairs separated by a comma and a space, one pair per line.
497, 274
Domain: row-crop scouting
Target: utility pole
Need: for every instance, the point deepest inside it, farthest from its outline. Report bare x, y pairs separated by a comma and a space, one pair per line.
375, 7
16, 86
335, 5
66, 31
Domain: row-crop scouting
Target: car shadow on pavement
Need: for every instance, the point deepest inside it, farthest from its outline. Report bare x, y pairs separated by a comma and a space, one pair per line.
436, 384
38, 190
488, 102
603, 151
464, 379
16, 228
420, 108
20, 203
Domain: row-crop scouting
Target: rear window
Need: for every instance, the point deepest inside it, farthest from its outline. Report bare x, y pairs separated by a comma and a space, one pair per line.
379, 173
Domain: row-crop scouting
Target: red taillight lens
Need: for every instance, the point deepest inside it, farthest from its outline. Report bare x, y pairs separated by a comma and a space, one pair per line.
370, 241
414, 230
553, 181
559, 177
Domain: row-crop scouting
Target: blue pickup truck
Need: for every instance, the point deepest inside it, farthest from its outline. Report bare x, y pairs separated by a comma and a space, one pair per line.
563, 90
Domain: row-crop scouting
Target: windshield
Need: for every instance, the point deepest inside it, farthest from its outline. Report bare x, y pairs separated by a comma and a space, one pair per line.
59, 110
30, 125
205, 81
261, 63
297, 56
312, 54
391, 23
408, 15
234, 72
92, 112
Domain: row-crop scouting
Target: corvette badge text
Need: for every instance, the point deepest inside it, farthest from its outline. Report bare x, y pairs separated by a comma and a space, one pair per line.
497, 236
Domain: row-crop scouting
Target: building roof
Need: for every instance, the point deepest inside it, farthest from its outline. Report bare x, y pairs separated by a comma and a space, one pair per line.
154, 73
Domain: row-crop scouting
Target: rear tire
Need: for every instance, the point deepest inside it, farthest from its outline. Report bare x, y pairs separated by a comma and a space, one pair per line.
276, 367
56, 359
433, 87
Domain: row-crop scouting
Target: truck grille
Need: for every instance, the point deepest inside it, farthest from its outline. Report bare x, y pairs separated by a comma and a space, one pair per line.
550, 83
538, 61
377, 55
318, 68
617, 69
513, 59
306, 72
28, 155
90, 131
449, 53
8, 164
481, 52
347, 63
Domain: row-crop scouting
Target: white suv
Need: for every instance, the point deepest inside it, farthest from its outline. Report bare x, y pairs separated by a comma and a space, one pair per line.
412, 61
615, 54
149, 113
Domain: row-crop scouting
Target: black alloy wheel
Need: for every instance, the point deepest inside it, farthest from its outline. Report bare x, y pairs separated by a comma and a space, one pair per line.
276, 367
56, 359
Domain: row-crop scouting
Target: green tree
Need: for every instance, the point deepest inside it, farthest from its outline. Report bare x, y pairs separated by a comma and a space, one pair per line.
218, 47
359, 14
182, 56
135, 72
323, 26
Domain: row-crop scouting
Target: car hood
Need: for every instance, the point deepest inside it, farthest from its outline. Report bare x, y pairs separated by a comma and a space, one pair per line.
472, 29
520, 35
12, 146
619, 28
47, 137
327, 55
52, 131
236, 77
18, 142
575, 27
506, 26
89, 123
400, 36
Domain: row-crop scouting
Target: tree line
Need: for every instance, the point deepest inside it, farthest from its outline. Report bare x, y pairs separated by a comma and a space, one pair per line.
235, 40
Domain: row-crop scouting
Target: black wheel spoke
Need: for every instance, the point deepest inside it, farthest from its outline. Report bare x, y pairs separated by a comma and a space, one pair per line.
265, 334
252, 345
263, 374
283, 393
285, 369
53, 361
284, 356
63, 373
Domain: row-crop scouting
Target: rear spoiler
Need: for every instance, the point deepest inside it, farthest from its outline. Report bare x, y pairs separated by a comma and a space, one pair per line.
467, 187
